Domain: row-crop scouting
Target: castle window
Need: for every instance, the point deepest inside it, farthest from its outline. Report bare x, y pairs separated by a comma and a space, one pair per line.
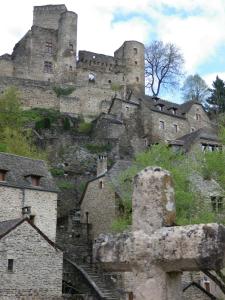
91, 77
49, 47
175, 127
174, 111
217, 204
160, 107
198, 117
3, 175
48, 67
161, 125
71, 46
192, 129
135, 62
101, 184
109, 81
135, 51
137, 79
71, 68
10, 265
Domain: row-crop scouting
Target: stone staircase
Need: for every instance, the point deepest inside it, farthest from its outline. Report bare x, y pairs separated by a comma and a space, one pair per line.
107, 292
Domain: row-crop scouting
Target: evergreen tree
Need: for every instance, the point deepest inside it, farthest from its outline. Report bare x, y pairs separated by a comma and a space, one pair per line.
216, 101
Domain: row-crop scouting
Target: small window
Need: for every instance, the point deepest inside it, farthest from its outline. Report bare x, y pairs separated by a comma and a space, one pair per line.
217, 204
35, 180
161, 125
71, 68
101, 184
10, 265
71, 46
192, 129
198, 117
135, 51
48, 47
175, 127
32, 219
3, 175
91, 77
137, 79
109, 81
174, 111
48, 67
135, 62
160, 107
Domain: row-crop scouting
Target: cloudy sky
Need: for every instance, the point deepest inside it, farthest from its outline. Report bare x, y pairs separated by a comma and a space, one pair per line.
197, 27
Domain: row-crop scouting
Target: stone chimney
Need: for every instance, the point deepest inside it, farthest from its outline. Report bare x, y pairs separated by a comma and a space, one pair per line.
101, 165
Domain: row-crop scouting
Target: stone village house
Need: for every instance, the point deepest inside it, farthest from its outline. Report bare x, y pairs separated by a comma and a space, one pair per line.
30, 262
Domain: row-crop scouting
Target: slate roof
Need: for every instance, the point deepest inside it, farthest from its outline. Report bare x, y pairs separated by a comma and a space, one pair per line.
19, 167
205, 133
7, 226
181, 109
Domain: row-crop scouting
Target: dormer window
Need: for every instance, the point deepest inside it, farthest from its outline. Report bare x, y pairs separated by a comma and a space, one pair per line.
34, 180
3, 175
160, 107
174, 111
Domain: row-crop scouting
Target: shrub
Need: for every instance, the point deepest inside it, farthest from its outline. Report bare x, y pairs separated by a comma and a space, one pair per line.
96, 148
66, 185
66, 123
57, 171
85, 128
60, 91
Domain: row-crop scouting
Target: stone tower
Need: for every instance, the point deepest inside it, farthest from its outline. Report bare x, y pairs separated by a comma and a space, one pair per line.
131, 54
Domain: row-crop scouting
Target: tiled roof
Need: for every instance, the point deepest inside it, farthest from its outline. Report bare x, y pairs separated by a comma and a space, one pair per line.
7, 225
19, 167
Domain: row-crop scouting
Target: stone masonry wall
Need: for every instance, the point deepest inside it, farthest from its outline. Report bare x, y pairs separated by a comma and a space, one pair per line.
203, 120
101, 212
33, 93
43, 207
194, 293
37, 272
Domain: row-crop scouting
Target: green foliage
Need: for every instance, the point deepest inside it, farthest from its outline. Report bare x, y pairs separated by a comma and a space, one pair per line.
66, 123
85, 127
10, 109
13, 138
216, 101
57, 171
121, 224
188, 206
63, 91
66, 185
81, 187
98, 148
19, 142
116, 87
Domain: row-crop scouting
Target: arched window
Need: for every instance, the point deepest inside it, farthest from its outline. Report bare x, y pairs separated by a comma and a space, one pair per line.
91, 77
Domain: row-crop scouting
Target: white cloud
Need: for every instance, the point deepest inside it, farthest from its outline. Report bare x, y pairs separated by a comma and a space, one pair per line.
209, 78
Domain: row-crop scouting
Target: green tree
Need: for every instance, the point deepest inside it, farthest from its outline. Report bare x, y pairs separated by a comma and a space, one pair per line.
216, 101
195, 88
163, 66
10, 109
181, 168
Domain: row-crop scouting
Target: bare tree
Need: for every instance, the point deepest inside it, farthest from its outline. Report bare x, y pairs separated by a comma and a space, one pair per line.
195, 88
163, 66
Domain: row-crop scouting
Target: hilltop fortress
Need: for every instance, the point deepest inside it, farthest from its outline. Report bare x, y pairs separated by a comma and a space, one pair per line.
47, 56
107, 89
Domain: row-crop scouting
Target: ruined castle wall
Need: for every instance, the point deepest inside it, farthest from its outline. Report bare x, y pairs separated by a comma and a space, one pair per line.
33, 93
101, 211
48, 16
131, 54
107, 128
37, 270
6, 67
87, 100
67, 44
169, 131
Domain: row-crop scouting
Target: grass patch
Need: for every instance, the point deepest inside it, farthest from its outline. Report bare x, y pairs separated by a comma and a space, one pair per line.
66, 185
